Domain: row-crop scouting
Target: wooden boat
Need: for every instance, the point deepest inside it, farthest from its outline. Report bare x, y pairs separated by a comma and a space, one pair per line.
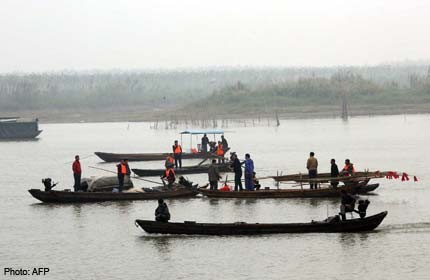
112, 157
81, 197
326, 177
223, 167
241, 228
360, 188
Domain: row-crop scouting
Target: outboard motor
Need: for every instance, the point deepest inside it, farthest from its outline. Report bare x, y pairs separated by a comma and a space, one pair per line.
362, 207
47, 182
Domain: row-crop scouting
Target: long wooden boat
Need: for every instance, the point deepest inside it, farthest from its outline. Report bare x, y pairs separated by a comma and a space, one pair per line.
361, 188
241, 228
223, 167
81, 197
326, 177
113, 157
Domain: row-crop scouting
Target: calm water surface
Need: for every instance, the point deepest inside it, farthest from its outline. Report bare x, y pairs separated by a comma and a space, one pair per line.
100, 241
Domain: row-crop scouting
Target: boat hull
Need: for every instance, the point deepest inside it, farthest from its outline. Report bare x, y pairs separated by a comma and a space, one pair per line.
353, 225
291, 193
84, 197
180, 171
113, 157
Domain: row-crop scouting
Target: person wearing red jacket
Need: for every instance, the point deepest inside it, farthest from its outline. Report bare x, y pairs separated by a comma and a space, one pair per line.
77, 171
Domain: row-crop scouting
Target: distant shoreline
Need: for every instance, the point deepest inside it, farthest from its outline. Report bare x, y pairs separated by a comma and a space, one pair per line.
145, 114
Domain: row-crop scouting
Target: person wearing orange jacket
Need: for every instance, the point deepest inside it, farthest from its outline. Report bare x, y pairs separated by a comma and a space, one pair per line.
170, 176
348, 169
123, 170
177, 153
220, 152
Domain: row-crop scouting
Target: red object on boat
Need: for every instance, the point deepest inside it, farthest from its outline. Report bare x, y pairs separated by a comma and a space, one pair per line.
226, 188
415, 179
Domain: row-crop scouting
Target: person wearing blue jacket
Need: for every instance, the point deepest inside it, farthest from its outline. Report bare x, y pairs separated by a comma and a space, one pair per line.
249, 173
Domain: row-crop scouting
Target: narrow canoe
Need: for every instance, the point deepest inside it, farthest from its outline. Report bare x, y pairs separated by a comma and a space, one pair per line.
290, 193
82, 197
113, 157
241, 228
184, 170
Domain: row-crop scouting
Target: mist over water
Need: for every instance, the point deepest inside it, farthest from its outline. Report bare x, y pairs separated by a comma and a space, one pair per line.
100, 241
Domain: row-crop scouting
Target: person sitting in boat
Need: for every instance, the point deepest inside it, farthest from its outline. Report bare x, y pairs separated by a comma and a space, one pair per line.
347, 204
257, 185
212, 146
170, 161
170, 176
162, 213
362, 208
348, 169
334, 173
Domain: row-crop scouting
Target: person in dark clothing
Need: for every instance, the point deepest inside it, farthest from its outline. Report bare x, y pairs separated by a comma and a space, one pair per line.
177, 153
362, 208
256, 182
334, 172
213, 175
237, 169
123, 170
347, 204
77, 173
224, 143
205, 142
162, 213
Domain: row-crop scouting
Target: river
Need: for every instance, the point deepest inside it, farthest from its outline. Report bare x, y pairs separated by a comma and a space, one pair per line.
100, 241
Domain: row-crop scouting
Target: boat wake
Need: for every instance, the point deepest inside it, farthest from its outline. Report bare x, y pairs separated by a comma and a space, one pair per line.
406, 228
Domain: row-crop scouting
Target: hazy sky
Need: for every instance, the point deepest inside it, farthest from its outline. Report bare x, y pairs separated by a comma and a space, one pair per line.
46, 35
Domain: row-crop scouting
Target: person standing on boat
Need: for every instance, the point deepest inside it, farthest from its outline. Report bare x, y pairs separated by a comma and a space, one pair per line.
249, 173
123, 170
220, 152
237, 169
214, 176
77, 172
224, 143
312, 166
348, 169
334, 172
205, 142
162, 213
177, 152
347, 204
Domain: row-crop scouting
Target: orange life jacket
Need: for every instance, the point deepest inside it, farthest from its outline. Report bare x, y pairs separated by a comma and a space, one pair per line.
170, 171
123, 169
219, 150
345, 168
178, 149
